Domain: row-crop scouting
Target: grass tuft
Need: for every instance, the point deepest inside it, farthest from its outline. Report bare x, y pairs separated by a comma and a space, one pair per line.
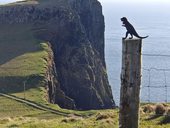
160, 109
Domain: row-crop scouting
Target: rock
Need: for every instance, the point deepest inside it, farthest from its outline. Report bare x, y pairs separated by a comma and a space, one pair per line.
55, 94
75, 30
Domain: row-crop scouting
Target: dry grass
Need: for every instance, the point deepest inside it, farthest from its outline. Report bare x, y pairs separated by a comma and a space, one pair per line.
104, 116
148, 108
160, 109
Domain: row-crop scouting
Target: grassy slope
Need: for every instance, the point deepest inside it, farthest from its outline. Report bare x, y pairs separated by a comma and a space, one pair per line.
31, 118
22, 58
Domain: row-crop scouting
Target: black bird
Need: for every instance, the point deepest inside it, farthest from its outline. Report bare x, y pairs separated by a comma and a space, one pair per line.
130, 29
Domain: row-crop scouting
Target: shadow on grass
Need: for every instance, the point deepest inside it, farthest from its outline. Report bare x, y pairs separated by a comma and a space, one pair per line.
152, 117
15, 40
15, 84
165, 120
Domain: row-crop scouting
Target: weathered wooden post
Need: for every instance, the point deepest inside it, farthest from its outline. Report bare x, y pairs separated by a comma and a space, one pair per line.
130, 83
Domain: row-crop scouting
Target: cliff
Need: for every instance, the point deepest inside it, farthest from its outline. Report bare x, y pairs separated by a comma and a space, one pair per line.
76, 75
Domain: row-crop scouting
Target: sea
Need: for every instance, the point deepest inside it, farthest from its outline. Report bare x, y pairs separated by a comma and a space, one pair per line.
151, 19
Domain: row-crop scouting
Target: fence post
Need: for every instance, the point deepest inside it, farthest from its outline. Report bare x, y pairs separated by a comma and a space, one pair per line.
130, 83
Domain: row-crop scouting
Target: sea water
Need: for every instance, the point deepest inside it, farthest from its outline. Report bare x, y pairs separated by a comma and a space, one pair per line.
148, 19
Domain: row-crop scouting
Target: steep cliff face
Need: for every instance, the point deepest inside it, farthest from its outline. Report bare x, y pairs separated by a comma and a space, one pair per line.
90, 12
55, 94
75, 29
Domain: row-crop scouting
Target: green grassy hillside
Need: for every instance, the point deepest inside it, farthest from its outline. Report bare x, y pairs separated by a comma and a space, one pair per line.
22, 59
14, 114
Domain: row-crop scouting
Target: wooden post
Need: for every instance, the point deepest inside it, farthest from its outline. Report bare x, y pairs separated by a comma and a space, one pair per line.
130, 83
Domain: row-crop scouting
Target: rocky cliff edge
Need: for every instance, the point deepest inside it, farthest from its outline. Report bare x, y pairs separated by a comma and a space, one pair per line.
76, 77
